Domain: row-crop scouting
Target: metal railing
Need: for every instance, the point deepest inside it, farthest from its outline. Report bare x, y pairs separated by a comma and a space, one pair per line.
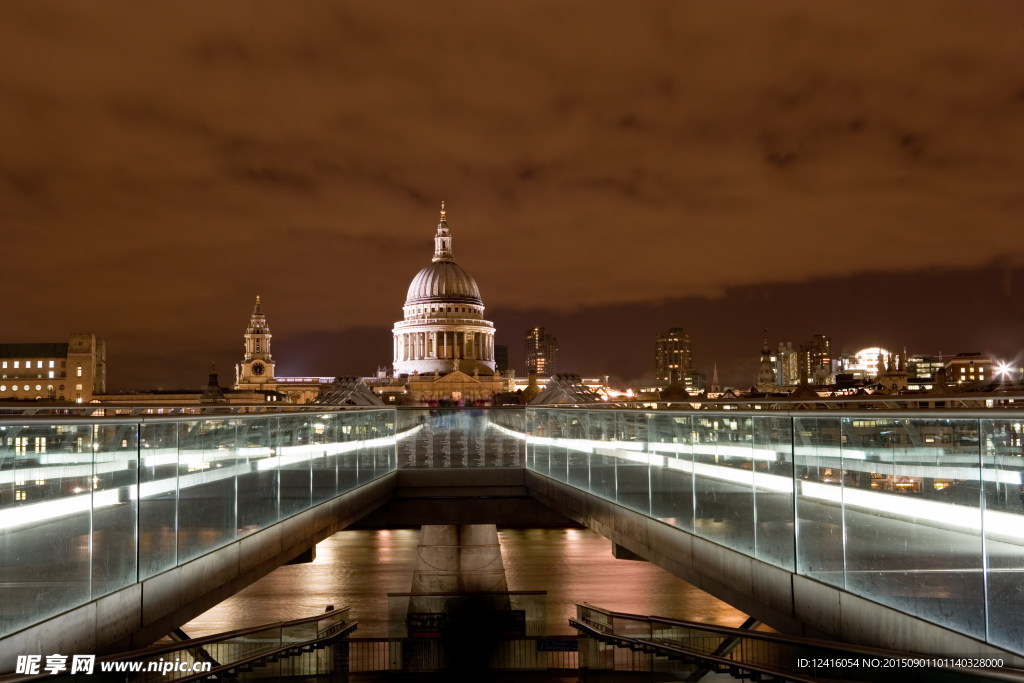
309, 646
630, 642
531, 653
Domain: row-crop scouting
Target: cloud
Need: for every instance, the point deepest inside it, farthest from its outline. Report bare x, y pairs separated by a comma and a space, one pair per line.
592, 155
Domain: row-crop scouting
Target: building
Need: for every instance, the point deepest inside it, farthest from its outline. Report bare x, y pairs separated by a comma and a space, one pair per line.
501, 358
443, 347
864, 364
816, 360
921, 371
786, 360
766, 377
892, 373
71, 371
256, 371
969, 369
673, 355
443, 329
541, 352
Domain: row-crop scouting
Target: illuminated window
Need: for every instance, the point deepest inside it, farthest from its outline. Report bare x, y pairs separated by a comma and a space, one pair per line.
40, 444
19, 494
20, 444
78, 387
5, 364
27, 387
79, 370
39, 387
51, 363
39, 363
3, 387
51, 375
17, 363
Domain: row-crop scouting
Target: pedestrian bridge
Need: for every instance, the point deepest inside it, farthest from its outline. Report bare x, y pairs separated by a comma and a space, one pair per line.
898, 529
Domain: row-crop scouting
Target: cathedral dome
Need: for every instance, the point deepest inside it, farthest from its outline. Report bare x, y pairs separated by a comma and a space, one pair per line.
443, 282
444, 330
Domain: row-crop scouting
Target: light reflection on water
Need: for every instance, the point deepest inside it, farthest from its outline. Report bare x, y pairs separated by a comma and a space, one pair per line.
360, 567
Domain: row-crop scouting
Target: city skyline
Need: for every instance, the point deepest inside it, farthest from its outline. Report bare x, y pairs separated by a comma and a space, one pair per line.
839, 170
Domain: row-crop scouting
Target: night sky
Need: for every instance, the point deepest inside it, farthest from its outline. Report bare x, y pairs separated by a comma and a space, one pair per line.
610, 170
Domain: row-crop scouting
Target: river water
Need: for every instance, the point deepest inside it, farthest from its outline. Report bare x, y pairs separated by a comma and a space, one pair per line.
359, 568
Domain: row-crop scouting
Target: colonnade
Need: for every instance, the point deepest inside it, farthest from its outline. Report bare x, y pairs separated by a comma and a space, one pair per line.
444, 344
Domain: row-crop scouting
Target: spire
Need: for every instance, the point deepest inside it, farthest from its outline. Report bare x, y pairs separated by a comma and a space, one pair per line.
443, 239
715, 387
258, 321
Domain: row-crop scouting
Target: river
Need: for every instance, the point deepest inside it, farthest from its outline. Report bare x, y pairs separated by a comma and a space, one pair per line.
359, 568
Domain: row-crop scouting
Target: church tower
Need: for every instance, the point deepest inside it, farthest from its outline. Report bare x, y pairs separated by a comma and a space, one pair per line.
766, 380
257, 365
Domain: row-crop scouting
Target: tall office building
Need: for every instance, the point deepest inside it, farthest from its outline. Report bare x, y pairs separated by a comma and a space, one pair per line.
541, 352
816, 360
787, 364
673, 355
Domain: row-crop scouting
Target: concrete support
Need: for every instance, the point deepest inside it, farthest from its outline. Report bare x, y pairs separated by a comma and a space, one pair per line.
463, 496
139, 614
458, 559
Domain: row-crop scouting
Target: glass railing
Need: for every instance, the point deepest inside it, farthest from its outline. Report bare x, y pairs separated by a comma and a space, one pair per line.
459, 438
90, 505
922, 510
923, 513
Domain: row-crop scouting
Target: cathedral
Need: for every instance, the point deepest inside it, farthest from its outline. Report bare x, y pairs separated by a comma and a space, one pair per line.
443, 348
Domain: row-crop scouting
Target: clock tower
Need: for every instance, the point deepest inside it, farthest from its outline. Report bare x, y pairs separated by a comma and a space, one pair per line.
257, 367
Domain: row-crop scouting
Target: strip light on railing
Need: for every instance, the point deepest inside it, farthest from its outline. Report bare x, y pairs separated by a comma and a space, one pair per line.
33, 513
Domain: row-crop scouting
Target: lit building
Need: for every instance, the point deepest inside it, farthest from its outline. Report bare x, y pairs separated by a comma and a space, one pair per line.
892, 373
541, 352
256, 371
786, 360
767, 380
921, 371
673, 355
697, 381
865, 364
71, 371
816, 360
443, 329
969, 368
443, 347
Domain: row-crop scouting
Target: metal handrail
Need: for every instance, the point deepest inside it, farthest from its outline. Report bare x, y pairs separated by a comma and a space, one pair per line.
282, 652
156, 650
736, 668
844, 649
